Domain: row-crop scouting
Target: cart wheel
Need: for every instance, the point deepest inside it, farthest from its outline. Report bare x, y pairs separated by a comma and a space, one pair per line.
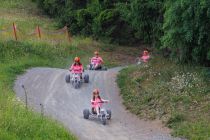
67, 78
86, 113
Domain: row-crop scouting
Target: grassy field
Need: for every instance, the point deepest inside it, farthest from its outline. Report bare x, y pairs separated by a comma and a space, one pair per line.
178, 95
52, 50
15, 121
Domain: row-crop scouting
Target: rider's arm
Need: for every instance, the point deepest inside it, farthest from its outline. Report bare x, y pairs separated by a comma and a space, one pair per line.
92, 102
102, 101
141, 58
82, 68
71, 68
105, 101
102, 61
91, 60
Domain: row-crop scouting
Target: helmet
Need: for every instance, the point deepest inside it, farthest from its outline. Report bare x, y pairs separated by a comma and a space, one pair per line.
96, 91
76, 59
96, 53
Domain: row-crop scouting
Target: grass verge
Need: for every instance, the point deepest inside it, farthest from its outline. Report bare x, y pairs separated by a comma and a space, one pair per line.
178, 95
15, 121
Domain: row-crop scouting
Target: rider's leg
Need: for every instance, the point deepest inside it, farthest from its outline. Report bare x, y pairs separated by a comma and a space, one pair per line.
91, 66
93, 110
99, 66
96, 66
97, 110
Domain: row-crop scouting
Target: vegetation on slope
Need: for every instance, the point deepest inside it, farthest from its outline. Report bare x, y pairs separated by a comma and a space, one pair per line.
178, 95
15, 121
182, 27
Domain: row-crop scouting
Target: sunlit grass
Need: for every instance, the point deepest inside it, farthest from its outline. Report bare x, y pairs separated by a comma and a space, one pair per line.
27, 17
16, 121
15, 57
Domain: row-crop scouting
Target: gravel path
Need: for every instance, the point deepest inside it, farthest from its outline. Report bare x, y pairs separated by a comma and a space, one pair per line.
64, 103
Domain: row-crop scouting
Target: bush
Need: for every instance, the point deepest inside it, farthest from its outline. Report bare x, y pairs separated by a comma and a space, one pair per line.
186, 29
84, 21
107, 24
145, 17
180, 26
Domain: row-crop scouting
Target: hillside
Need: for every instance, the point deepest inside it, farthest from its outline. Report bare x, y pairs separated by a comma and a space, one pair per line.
15, 57
179, 95
28, 51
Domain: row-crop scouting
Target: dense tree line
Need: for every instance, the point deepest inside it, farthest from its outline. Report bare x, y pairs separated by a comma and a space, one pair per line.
180, 26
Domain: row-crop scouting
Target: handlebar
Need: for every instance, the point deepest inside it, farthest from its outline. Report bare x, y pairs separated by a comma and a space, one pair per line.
105, 101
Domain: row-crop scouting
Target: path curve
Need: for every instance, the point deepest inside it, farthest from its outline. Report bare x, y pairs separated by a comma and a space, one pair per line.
64, 103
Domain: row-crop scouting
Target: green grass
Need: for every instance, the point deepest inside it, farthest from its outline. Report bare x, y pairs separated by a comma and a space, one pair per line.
178, 95
15, 121
27, 17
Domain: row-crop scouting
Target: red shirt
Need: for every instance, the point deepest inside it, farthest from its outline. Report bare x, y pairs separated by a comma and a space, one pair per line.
76, 68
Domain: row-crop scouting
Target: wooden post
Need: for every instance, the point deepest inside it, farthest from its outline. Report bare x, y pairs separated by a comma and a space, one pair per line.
67, 34
39, 31
15, 31
42, 109
26, 97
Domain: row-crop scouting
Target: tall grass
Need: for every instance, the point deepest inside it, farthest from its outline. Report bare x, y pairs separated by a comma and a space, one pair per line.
178, 95
15, 121
15, 57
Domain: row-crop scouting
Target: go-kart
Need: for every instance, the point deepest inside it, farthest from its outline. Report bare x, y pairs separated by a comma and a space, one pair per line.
76, 79
94, 67
103, 116
139, 61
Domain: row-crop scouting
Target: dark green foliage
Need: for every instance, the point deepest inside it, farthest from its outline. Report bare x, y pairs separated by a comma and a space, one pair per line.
98, 18
182, 27
145, 17
109, 24
84, 21
186, 30
175, 118
52, 7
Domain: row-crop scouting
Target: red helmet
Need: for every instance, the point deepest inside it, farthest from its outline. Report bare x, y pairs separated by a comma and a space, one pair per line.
96, 53
76, 59
95, 91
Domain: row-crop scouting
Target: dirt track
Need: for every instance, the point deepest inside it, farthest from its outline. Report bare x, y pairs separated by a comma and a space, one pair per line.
65, 104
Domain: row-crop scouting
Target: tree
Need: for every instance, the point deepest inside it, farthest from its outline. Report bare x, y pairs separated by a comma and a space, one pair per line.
186, 30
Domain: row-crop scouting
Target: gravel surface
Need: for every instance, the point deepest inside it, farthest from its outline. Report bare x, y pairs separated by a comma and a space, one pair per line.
62, 102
